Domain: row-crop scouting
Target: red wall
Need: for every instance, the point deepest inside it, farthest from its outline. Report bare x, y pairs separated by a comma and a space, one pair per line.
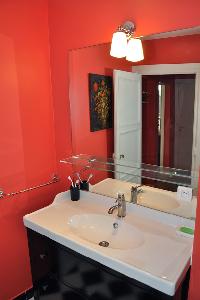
75, 24
174, 50
149, 122
30, 151
27, 143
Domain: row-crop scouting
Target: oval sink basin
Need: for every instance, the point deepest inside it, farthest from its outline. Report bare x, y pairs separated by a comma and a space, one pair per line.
164, 201
97, 228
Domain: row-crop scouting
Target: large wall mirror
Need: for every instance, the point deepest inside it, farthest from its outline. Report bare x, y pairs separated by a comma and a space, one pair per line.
156, 109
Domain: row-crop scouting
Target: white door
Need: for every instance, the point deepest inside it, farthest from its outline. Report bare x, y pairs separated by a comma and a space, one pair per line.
127, 125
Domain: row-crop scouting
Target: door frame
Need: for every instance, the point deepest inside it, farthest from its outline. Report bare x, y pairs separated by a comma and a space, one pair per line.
187, 68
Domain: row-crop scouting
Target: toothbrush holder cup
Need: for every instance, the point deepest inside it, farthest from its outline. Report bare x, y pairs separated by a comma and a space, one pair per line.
84, 185
75, 193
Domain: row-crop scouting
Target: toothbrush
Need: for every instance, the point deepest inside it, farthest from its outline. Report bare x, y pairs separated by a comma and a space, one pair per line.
78, 175
69, 177
90, 176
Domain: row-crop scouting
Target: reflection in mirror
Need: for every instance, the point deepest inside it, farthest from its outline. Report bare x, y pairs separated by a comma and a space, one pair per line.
168, 105
104, 183
167, 120
169, 133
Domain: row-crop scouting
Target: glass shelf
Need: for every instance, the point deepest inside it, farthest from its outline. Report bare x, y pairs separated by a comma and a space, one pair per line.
146, 171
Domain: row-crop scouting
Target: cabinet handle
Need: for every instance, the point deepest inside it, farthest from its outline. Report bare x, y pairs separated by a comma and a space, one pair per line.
43, 256
45, 287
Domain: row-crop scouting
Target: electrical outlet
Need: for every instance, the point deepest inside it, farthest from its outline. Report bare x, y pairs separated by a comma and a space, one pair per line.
184, 193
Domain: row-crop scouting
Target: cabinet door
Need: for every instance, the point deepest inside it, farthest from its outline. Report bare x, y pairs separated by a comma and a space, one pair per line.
97, 282
62, 274
51, 289
42, 255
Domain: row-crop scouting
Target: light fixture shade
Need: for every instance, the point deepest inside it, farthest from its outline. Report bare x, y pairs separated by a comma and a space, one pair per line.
134, 50
119, 44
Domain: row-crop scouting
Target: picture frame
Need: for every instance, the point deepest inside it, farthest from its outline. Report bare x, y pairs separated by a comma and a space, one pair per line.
100, 100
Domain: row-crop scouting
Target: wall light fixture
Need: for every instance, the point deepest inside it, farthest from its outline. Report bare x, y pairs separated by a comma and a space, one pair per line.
125, 45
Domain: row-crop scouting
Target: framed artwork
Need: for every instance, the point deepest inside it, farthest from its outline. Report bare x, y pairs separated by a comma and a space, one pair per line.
100, 97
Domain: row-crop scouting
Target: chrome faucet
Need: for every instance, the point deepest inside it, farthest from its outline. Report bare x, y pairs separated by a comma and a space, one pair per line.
121, 206
134, 193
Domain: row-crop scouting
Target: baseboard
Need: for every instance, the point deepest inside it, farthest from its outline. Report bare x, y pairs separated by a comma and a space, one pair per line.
25, 296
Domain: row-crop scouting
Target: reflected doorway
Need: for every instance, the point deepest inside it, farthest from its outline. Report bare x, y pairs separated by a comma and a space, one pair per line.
167, 120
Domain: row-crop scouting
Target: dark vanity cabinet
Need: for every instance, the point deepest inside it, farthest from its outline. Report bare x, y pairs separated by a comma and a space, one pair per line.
59, 273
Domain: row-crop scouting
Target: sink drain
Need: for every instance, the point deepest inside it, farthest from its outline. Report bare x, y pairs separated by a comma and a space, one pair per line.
103, 244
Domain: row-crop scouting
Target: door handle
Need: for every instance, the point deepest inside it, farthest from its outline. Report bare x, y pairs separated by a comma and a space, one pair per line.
120, 156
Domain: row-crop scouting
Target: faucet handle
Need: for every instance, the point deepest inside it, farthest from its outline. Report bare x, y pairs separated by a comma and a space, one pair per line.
134, 193
135, 188
120, 196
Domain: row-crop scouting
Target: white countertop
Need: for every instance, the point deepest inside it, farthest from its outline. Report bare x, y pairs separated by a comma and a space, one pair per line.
160, 262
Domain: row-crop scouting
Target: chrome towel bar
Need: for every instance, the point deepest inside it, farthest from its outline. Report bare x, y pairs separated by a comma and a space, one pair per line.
54, 179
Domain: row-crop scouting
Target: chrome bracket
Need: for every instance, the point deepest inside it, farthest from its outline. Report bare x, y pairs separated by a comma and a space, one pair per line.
1, 193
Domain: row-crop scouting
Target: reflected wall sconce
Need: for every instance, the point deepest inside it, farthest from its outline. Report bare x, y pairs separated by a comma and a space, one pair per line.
125, 45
